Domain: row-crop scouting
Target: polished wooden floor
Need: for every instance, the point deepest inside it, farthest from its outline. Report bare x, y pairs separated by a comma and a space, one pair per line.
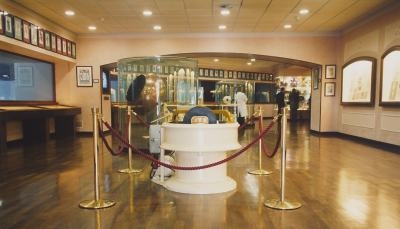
340, 183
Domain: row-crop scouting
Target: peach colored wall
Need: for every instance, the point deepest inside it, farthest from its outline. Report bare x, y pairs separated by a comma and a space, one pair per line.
98, 50
372, 38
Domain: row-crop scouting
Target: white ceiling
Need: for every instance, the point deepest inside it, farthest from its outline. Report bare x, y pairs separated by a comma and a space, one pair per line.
202, 16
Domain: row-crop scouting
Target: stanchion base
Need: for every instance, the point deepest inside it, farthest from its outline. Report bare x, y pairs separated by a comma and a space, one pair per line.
285, 205
128, 170
93, 204
260, 172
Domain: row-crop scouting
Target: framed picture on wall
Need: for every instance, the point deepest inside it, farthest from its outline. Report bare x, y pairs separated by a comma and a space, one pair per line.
358, 81
47, 41
69, 51
390, 78
34, 35
59, 44
26, 31
64, 46
18, 28
41, 38
315, 75
1, 22
53, 41
8, 26
84, 76
330, 71
330, 88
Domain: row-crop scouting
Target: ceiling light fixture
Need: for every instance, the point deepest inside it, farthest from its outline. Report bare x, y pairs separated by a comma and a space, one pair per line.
304, 11
92, 28
249, 63
252, 59
287, 26
216, 60
69, 13
147, 13
222, 27
225, 10
157, 27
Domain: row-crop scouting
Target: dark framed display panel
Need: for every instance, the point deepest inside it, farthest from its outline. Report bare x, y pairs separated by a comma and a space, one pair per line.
390, 78
358, 82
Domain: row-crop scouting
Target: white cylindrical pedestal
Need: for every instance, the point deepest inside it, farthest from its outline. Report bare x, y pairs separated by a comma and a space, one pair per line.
200, 144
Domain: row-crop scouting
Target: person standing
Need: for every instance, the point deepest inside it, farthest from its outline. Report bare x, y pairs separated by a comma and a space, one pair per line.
294, 99
280, 100
241, 101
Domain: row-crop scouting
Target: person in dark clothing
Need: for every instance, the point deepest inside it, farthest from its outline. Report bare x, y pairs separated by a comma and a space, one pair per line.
280, 100
294, 99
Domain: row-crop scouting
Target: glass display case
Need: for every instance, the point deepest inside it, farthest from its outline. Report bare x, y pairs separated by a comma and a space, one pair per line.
225, 91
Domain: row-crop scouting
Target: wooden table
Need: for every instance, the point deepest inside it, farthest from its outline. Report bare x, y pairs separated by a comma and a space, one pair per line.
35, 122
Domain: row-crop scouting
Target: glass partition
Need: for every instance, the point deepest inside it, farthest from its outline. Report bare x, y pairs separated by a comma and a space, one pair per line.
24, 79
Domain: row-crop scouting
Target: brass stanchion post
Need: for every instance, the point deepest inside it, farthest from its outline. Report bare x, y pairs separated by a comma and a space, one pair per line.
129, 169
281, 203
260, 171
97, 203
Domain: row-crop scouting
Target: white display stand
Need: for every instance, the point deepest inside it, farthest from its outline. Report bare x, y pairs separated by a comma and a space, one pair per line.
196, 145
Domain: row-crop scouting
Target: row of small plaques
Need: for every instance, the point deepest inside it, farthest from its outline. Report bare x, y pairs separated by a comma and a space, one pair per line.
19, 29
227, 74
160, 69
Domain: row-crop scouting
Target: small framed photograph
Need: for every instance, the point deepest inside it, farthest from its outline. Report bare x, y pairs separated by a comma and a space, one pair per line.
1, 22
211, 72
8, 21
26, 32
330, 88
315, 73
64, 46
73, 50
59, 44
34, 35
41, 38
235, 74
84, 76
47, 41
330, 71
201, 72
69, 50
53, 41
206, 72
18, 28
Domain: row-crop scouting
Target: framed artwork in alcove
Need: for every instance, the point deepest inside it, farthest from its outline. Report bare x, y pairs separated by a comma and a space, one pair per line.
358, 81
390, 78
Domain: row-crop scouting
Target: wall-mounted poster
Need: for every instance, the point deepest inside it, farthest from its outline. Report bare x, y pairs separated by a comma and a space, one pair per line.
17, 28
358, 81
73, 54
8, 27
1, 22
26, 32
34, 35
47, 41
84, 76
41, 38
59, 44
53, 42
390, 78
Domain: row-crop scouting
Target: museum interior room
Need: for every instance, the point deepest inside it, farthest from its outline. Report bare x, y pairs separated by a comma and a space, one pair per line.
168, 113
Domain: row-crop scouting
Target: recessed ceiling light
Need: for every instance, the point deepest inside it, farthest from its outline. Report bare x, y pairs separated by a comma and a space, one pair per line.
304, 11
147, 13
157, 27
252, 59
69, 13
216, 60
222, 27
248, 63
92, 28
287, 26
225, 12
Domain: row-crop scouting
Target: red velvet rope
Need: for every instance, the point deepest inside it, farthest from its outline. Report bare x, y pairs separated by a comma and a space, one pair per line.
149, 157
141, 120
264, 147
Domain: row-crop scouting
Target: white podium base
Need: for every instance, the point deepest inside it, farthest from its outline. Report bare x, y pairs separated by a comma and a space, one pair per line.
177, 185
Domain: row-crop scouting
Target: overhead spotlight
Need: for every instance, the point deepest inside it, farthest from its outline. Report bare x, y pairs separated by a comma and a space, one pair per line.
225, 10
249, 63
252, 59
92, 28
287, 26
157, 27
147, 13
222, 27
216, 60
304, 11
69, 13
